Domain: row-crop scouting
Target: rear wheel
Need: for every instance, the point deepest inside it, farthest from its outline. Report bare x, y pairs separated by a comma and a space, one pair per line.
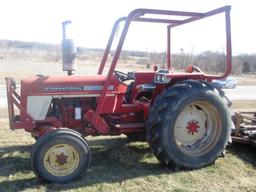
189, 125
60, 156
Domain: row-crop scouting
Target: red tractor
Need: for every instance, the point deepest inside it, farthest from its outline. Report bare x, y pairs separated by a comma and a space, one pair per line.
185, 119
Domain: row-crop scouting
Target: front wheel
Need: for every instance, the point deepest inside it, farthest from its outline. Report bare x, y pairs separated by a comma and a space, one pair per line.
189, 125
60, 156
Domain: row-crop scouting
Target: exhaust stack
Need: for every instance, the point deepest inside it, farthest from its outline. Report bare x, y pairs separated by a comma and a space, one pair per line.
68, 51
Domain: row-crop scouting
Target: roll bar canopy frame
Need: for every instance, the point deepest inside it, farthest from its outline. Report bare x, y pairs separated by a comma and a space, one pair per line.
138, 15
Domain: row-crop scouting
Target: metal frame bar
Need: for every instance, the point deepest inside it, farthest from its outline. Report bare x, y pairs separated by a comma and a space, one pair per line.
225, 10
13, 99
137, 15
168, 54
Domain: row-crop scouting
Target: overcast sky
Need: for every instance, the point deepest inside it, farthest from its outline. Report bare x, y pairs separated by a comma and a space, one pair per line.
40, 20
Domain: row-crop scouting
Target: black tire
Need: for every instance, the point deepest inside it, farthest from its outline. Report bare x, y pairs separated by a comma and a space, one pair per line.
189, 125
72, 150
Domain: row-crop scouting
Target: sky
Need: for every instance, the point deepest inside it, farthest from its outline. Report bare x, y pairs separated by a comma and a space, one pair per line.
40, 20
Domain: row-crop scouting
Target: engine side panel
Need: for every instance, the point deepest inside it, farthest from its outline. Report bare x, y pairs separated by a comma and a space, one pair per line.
38, 106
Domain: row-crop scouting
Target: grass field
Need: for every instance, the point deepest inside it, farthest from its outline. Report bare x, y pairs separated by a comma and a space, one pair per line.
118, 165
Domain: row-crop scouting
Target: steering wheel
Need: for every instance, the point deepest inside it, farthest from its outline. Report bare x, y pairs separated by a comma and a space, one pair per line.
123, 76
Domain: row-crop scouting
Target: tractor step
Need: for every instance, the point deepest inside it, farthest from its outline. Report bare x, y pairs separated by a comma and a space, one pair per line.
128, 127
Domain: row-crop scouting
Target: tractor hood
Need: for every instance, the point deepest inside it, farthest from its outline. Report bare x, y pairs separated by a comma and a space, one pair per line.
65, 85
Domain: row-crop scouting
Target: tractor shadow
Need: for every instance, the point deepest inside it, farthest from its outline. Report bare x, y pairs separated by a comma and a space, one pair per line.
14, 164
114, 160
14, 159
245, 152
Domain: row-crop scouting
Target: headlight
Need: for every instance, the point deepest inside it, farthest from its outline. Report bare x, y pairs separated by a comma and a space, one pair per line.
162, 78
158, 77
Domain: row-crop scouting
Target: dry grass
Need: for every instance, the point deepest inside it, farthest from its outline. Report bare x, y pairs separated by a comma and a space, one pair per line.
23, 68
20, 68
122, 166
246, 79
244, 105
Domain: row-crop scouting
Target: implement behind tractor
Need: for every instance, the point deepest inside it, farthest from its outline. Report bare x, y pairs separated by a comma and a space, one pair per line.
185, 119
245, 128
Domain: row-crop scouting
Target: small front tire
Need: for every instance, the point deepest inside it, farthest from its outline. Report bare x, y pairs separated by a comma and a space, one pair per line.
60, 156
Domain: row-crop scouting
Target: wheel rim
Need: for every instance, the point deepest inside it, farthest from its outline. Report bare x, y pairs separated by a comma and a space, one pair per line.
61, 160
197, 128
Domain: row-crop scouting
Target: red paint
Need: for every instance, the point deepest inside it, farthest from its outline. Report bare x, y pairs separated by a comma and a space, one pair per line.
41, 131
61, 159
192, 127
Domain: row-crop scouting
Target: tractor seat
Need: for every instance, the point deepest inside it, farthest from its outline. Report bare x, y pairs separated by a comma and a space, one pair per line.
149, 87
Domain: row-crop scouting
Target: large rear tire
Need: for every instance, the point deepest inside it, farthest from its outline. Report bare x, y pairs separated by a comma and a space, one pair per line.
60, 156
188, 125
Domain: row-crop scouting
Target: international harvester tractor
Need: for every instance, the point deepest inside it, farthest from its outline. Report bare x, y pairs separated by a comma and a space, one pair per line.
184, 118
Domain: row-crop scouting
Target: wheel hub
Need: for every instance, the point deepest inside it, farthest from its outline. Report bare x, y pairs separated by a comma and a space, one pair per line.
192, 127
61, 159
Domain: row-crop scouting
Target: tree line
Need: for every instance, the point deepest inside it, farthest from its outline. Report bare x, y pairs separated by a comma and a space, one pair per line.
208, 61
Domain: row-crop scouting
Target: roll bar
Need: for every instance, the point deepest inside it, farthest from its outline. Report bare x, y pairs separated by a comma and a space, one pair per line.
138, 15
